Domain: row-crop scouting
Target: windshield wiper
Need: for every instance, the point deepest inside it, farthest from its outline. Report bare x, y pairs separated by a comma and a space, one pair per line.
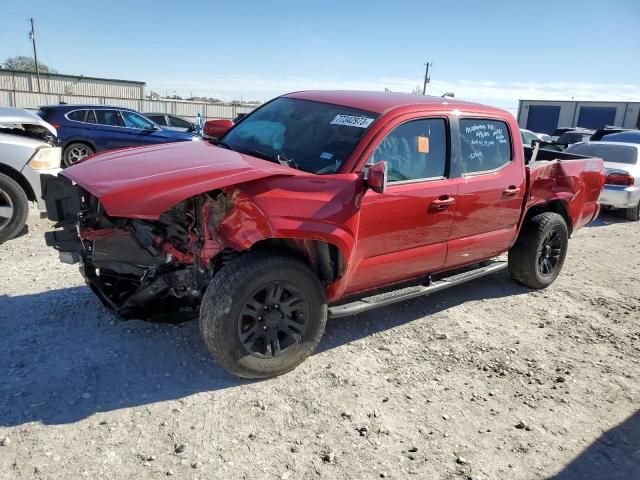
224, 144
287, 162
278, 157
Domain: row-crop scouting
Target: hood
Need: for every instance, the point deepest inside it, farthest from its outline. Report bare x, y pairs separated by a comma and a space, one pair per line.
32, 123
145, 182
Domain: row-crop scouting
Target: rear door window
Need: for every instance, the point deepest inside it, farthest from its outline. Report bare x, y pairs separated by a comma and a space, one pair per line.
485, 145
77, 115
159, 119
109, 117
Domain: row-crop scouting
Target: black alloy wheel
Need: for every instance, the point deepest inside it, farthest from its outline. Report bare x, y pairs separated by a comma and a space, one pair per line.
263, 313
273, 319
549, 253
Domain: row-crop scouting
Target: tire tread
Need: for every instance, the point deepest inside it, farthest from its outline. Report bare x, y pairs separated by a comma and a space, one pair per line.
20, 205
522, 256
218, 299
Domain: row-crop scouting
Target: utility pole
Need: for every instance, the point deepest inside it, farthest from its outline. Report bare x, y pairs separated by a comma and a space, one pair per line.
427, 78
32, 35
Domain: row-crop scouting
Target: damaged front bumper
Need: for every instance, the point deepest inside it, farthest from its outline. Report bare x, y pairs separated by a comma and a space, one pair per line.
63, 202
122, 260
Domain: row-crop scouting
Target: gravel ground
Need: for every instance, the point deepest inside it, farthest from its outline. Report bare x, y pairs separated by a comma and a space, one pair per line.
485, 381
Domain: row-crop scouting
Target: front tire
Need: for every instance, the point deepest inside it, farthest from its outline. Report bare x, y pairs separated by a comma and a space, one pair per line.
263, 315
537, 257
14, 208
633, 213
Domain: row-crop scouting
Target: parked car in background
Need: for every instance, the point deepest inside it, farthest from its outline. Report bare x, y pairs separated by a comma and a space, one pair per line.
628, 136
239, 117
172, 122
575, 136
26, 151
622, 184
86, 129
314, 198
528, 137
216, 128
603, 132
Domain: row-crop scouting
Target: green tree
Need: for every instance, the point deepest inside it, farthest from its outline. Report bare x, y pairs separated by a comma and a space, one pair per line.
27, 64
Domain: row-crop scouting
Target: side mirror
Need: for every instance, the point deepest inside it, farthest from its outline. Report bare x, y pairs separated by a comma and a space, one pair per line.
217, 128
376, 177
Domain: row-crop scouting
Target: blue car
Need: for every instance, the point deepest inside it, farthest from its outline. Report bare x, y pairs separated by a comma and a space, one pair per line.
86, 129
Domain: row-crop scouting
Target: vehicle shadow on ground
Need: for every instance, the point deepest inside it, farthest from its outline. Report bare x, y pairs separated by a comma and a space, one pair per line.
615, 455
348, 329
609, 217
63, 357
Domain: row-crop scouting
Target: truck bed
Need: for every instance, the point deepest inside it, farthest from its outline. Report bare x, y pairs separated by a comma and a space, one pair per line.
574, 180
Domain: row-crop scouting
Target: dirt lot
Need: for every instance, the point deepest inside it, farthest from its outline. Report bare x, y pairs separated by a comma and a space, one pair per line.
487, 381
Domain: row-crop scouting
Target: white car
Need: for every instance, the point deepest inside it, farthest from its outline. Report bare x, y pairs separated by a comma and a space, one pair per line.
622, 186
528, 136
27, 150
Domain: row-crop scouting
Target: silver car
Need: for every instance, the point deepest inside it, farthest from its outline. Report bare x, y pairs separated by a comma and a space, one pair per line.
622, 186
26, 151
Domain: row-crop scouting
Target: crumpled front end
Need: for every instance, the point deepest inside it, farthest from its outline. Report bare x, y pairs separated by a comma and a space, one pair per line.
138, 268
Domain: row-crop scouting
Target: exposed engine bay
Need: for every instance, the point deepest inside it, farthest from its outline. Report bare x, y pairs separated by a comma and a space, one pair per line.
128, 262
159, 268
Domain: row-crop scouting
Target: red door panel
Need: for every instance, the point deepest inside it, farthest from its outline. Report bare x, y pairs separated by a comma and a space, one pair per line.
489, 203
402, 233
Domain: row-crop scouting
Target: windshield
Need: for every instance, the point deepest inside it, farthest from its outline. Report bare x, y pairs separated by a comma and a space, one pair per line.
609, 153
311, 136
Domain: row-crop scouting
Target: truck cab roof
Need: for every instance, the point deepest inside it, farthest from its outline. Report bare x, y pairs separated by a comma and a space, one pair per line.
383, 102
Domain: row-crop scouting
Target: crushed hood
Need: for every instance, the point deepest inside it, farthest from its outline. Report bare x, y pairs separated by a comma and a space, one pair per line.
20, 118
145, 182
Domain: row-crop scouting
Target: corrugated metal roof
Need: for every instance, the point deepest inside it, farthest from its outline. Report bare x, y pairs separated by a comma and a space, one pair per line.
64, 75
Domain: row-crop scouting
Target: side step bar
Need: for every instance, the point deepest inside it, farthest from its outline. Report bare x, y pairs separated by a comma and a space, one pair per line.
388, 298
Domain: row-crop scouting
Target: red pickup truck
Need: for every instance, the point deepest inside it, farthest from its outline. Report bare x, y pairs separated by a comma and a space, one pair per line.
318, 204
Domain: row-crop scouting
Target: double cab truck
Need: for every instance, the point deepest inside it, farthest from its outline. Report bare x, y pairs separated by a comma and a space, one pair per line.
318, 204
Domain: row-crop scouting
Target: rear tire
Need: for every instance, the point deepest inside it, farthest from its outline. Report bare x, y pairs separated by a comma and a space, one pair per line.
14, 208
537, 257
633, 213
74, 152
263, 315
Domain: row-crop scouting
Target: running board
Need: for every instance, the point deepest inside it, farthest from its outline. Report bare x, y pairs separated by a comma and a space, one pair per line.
388, 298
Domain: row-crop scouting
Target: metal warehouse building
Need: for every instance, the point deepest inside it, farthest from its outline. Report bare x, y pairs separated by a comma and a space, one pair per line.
21, 89
544, 116
24, 81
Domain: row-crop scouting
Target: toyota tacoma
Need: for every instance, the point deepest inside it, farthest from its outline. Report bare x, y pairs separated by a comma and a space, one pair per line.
318, 204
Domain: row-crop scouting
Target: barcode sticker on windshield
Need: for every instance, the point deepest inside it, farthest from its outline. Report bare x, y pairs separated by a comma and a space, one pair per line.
352, 121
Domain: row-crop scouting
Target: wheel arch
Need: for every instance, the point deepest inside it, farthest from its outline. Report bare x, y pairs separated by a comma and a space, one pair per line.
324, 258
556, 206
19, 179
89, 143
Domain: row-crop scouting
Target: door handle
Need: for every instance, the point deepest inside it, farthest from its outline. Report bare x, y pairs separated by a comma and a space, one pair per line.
443, 202
511, 191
